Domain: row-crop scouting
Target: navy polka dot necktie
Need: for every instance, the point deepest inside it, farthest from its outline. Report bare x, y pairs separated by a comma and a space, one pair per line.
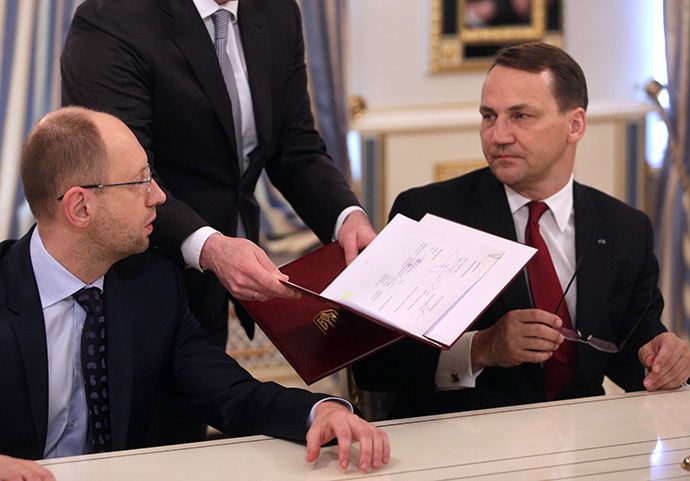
93, 360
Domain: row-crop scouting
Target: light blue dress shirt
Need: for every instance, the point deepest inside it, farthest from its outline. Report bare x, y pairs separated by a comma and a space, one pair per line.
64, 319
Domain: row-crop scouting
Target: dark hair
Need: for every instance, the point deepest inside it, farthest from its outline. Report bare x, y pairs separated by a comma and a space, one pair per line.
569, 85
62, 150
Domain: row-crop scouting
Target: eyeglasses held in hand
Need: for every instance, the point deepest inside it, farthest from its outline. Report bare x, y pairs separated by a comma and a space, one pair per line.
146, 181
596, 343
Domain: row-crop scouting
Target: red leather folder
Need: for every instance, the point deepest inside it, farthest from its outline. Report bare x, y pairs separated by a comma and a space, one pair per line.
316, 337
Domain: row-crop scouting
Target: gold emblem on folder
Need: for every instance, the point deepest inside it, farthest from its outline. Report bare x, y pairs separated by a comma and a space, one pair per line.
328, 319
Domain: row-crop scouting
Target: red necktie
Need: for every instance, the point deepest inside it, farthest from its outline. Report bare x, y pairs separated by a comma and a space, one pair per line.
546, 292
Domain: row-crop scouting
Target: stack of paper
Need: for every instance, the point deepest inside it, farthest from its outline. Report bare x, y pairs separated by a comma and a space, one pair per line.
429, 280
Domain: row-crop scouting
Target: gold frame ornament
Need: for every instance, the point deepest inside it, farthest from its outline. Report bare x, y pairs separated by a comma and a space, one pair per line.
447, 51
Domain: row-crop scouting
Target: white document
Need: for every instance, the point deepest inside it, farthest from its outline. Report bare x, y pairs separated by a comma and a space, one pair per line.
470, 306
413, 275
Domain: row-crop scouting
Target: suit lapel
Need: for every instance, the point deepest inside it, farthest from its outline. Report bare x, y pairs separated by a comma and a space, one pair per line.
187, 31
120, 358
29, 328
490, 212
593, 246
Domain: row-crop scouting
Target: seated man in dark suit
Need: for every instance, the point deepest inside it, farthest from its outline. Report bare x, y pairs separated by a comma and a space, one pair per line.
94, 327
533, 106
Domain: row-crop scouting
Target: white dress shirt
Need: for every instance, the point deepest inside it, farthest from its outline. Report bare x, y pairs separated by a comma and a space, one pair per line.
206, 9
557, 227
64, 320
191, 247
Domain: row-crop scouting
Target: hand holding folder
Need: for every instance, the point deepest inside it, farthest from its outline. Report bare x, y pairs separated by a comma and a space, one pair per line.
318, 338
429, 280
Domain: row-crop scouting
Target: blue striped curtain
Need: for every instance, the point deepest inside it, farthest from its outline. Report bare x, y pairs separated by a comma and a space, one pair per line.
324, 36
32, 33
673, 212
324, 31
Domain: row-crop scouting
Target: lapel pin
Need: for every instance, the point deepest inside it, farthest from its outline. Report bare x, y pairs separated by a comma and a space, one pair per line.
601, 241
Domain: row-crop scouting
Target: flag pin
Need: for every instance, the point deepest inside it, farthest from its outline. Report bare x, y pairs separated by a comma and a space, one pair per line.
601, 241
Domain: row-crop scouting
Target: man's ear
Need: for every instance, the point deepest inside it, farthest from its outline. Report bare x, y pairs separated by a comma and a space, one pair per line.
578, 125
78, 206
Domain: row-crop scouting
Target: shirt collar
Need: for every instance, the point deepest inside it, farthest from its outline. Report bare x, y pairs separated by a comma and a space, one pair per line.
560, 203
55, 283
207, 8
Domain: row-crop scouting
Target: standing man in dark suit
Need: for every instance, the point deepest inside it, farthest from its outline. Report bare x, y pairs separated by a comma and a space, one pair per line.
533, 114
88, 184
152, 63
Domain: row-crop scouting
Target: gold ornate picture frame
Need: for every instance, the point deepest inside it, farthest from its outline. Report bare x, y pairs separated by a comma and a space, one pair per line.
462, 49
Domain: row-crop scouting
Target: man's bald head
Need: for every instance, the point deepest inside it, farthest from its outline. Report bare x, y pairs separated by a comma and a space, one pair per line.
65, 148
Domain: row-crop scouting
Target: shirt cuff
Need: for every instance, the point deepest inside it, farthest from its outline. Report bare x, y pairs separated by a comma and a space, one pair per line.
344, 402
192, 245
454, 370
341, 219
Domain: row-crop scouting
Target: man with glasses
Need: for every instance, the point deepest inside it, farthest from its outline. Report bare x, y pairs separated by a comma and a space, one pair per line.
94, 326
533, 106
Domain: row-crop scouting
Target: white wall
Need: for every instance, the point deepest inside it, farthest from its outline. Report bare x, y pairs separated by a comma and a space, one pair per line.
611, 39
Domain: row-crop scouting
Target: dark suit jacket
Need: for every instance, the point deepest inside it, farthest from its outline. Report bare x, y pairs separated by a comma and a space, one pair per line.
152, 64
153, 343
616, 279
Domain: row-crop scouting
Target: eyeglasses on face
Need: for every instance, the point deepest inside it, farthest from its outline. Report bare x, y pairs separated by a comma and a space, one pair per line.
146, 181
596, 343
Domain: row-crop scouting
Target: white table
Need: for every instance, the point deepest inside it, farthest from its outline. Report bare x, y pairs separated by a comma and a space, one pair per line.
621, 437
